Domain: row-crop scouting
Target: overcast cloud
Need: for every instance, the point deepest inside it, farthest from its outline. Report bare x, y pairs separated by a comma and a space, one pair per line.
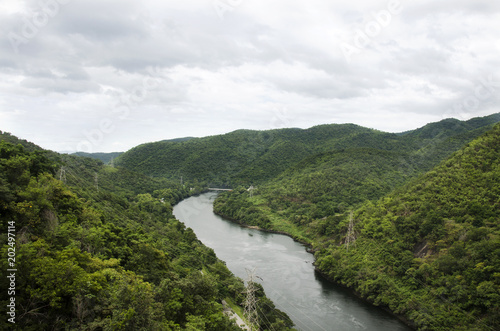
107, 75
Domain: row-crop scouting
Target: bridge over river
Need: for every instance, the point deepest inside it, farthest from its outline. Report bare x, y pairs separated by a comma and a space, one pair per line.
219, 189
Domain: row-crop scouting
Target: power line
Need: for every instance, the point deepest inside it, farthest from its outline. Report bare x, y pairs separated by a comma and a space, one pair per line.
265, 317
289, 313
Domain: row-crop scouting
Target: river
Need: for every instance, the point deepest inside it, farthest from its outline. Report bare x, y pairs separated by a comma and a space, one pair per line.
285, 270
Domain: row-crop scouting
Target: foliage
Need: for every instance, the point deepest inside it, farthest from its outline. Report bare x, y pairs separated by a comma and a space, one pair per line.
100, 249
247, 157
427, 250
436, 242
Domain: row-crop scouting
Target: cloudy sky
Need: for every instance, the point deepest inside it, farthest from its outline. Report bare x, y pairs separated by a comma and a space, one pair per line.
106, 75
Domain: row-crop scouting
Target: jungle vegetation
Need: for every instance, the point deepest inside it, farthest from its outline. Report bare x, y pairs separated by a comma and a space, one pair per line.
409, 221
97, 248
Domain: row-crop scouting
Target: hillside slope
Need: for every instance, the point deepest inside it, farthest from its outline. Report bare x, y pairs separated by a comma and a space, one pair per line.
325, 184
254, 157
245, 156
317, 187
99, 249
104, 157
431, 250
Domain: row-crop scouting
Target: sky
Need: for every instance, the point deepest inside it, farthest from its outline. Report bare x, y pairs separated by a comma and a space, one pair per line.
108, 75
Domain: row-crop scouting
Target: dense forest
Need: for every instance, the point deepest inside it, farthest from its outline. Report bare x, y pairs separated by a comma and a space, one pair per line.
247, 157
97, 248
428, 250
408, 221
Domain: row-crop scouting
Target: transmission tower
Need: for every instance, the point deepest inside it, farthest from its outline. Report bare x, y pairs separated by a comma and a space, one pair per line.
250, 311
350, 238
96, 180
62, 175
250, 189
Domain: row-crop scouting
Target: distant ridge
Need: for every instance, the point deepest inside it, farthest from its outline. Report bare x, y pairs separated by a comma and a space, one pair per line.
104, 157
449, 125
250, 157
179, 140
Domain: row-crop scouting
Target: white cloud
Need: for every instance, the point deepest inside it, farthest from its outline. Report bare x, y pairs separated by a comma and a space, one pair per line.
159, 70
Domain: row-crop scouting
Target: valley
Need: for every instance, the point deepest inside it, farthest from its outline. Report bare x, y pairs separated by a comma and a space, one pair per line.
409, 222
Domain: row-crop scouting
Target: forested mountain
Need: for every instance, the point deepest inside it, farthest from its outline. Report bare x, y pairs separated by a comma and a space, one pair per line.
97, 248
409, 221
253, 157
328, 183
104, 157
428, 251
319, 186
239, 156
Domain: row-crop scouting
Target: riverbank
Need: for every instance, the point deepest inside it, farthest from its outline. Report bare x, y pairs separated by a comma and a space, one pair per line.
285, 270
300, 240
353, 292
311, 249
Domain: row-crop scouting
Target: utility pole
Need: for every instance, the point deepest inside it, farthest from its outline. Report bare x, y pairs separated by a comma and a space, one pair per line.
250, 311
350, 238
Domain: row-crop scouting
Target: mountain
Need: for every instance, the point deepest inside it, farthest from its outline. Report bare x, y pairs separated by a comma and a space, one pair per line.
451, 126
239, 156
178, 140
94, 247
252, 157
6, 136
409, 221
104, 157
330, 182
427, 250
431, 250
318, 186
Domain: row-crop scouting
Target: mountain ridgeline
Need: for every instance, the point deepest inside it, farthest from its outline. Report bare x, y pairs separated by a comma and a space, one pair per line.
409, 221
247, 157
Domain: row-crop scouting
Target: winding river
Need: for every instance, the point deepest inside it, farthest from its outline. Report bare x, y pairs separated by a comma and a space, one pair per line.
285, 270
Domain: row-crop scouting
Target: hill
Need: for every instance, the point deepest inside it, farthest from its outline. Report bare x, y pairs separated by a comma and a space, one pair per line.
239, 156
429, 250
319, 186
104, 157
246, 157
97, 248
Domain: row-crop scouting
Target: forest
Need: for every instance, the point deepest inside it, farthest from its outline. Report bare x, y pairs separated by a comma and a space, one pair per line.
408, 221
97, 248
246, 157
427, 248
